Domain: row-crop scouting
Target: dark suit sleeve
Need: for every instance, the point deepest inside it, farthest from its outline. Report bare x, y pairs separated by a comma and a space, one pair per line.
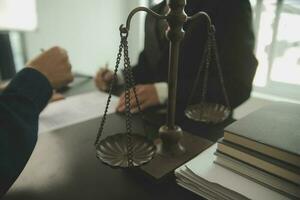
20, 105
235, 39
236, 46
146, 69
142, 72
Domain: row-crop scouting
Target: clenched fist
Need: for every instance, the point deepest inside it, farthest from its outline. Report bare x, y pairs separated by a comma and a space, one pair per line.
54, 64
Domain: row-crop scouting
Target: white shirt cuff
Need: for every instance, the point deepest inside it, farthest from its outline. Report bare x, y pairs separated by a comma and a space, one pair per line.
162, 91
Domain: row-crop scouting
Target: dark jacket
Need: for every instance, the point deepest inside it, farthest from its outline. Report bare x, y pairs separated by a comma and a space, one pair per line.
235, 39
20, 106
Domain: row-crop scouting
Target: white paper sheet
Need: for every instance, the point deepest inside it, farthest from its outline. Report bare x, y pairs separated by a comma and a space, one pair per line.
75, 109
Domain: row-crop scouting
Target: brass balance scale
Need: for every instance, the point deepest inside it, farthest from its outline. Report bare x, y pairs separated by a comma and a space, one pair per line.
175, 147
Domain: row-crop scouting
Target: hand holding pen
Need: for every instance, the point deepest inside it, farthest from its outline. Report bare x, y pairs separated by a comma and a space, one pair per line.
104, 78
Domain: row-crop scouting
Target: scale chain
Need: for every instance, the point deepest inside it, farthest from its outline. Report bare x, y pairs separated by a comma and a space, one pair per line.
119, 56
132, 85
206, 70
210, 52
216, 54
201, 67
128, 86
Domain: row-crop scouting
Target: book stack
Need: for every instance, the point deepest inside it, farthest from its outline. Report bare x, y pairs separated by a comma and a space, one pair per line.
213, 182
265, 147
258, 158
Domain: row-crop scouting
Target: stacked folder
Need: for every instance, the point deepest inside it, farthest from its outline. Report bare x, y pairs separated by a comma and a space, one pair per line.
264, 147
214, 182
258, 158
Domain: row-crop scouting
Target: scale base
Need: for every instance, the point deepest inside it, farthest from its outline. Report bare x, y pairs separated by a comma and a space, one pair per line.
161, 166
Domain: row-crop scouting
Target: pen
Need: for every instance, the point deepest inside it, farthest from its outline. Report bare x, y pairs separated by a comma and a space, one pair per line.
79, 75
105, 70
106, 66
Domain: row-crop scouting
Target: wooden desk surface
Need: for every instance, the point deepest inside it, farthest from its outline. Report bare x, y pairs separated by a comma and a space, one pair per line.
64, 166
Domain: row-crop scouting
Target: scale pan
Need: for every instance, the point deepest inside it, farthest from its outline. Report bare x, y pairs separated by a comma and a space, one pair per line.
113, 150
208, 112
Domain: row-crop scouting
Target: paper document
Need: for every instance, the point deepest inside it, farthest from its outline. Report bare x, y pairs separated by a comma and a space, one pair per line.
202, 176
75, 109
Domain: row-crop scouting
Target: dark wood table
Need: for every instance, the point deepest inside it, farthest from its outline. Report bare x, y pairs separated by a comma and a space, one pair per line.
64, 164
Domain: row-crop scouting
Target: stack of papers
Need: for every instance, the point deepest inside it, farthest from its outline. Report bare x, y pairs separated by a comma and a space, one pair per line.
211, 181
75, 109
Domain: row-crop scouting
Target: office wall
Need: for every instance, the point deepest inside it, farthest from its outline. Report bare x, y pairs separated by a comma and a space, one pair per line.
87, 29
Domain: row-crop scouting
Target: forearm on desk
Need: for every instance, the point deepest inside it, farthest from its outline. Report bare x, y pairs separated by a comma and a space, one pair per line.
20, 105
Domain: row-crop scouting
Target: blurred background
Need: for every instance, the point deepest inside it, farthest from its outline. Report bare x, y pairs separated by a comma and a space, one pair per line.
89, 31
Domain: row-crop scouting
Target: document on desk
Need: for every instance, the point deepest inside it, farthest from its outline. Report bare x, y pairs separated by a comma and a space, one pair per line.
75, 109
211, 181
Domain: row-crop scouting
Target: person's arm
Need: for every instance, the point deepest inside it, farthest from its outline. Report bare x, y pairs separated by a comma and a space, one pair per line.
149, 62
20, 105
235, 39
141, 75
236, 46
142, 72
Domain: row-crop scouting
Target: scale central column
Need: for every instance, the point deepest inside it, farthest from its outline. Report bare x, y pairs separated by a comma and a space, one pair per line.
170, 134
